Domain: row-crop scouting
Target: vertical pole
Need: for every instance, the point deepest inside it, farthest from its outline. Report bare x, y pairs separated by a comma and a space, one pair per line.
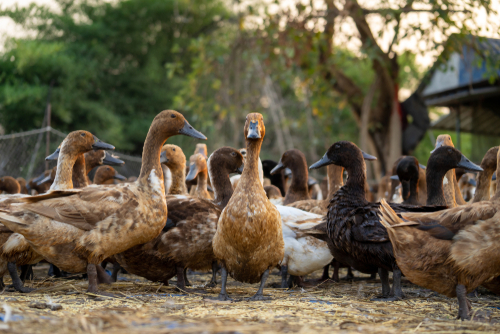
48, 112
457, 128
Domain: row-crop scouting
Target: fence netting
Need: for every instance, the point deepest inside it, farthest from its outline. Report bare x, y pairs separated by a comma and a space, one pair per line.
23, 154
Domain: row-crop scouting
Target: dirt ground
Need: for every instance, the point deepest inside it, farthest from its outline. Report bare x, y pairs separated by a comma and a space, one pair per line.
145, 307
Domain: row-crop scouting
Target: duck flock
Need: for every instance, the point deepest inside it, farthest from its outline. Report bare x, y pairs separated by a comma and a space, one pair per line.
164, 222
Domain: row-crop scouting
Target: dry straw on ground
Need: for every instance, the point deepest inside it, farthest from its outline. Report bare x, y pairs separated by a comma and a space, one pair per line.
145, 307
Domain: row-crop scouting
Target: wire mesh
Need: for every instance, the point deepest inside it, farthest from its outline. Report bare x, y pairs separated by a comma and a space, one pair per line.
23, 154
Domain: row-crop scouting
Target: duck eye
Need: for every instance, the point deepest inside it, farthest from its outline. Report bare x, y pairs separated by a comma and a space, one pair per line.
82, 134
337, 146
233, 154
173, 116
173, 149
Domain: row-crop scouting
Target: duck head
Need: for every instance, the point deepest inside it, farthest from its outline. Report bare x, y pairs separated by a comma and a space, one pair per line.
49, 178
288, 159
254, 127
79, 142
172, 122
102, 157
197, 164
447, 157
228, 159
172, 156
105, 173
342, 154
443, 140
408, 169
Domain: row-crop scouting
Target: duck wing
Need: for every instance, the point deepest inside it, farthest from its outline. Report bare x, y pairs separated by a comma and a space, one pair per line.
182, 208
83, 209
457, 218
365, 225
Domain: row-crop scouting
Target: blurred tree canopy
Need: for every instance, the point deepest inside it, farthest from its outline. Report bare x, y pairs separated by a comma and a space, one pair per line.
114, 66
110, 64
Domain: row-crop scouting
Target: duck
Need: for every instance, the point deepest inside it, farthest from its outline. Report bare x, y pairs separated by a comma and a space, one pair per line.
483, 181
198, 169
295, 160
408, 174
303, 253
277, 179
274, 194
249, 237
446, 251
90, 224
16, 250
355, 234
186, 240
174, 159
9, 185
107, 175
22, 184
451, 189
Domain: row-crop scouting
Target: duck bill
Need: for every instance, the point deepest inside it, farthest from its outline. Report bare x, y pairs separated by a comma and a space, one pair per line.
473, 183
494, 177
45, 180
422, 166
100, 145
53, 156
279, 167
193, 172
325, 161
239, 170
188, 130
112, 161
288, 172
118, 176
253, 130
163, 157
468, 165
39, 178
368, 157
311, 182
394, 177
439, 143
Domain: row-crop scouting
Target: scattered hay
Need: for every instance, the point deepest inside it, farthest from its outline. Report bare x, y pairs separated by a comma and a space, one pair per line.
144, 307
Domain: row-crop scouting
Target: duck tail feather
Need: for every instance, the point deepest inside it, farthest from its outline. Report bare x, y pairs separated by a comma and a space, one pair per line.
437, 231
388, 217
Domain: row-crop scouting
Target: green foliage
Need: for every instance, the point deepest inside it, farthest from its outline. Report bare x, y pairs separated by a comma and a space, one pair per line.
113, 66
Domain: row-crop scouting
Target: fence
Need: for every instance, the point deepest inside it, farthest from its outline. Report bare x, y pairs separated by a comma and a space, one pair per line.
23, 154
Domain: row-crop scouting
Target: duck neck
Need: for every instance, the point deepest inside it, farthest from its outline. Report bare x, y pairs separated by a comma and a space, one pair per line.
335, 180
201, 185
410, 191
435, 193
483, 185
64, 174
79, 175
251, 169
298, 188
178, 186
151, 167
356, 179
223, 190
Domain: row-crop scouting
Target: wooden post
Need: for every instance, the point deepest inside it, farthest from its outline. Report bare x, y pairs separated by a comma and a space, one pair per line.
48, 112
457, 128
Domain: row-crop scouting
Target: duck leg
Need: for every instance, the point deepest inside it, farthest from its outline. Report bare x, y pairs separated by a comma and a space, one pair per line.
213, 281
16, 281
386, 288
223, 293
116, 269
336, 268
463, 305
186, 278
397, 291
259, 295
181, 281
27, 272
102, 275
349, 275
284, 274
92, 276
